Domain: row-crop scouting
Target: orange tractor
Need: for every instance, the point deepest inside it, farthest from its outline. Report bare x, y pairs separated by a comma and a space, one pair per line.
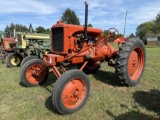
8, 46
83, 46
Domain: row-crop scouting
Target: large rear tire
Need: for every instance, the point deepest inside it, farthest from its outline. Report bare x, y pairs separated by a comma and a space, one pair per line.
13, 61
28, 73
71, 91
130, 62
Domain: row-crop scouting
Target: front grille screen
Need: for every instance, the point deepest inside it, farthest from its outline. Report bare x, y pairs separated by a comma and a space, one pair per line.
57, 39
19, 40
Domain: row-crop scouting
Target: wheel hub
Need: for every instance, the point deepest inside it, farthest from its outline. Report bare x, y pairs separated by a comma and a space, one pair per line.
133, 62
15, 61
31, 74
73, 93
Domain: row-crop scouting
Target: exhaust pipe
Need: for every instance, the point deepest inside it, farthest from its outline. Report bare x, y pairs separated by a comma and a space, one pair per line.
86, 19
14, 32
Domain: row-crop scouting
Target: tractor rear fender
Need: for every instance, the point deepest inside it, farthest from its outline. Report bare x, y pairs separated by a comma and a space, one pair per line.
119, 40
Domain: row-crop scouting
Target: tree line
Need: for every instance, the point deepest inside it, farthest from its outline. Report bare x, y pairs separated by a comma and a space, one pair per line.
68, 17
149, 27
9, 30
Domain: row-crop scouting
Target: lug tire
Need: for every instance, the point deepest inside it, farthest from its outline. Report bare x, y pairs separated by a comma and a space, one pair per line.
4, 57
71, 91
130, 62
28, 58
21, 67
27, 73
10, 60
1, 53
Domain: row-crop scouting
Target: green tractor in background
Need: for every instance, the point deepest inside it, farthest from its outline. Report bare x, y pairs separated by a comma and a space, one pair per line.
28, 46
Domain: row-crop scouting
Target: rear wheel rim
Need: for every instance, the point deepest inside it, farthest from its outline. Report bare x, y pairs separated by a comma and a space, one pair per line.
31, 74
74, 93
15, 61
136, 63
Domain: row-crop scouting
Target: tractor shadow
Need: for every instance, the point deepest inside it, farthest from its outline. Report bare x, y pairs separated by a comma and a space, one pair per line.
109, 78
132, 115
48, 86
49, 82
146, 99
50, 107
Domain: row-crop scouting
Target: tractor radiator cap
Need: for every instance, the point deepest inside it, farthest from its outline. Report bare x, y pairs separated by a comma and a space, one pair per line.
59, 22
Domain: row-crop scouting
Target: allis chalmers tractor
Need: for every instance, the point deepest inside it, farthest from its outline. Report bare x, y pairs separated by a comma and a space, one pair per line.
83, 46
29, 45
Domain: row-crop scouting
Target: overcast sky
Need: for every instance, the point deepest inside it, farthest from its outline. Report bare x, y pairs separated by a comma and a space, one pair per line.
102, 13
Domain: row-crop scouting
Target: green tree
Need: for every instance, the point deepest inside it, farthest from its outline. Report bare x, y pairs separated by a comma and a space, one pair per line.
21, 28
105, 33
90, 25
40, 29
143, 29
31, 28
47, 31
70, 17
0, 35
9, 29
157, 24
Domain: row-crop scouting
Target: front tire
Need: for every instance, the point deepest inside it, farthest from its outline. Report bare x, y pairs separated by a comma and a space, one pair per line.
13, 61
28, 73
4, 57
71, 91
130, 62
27, 59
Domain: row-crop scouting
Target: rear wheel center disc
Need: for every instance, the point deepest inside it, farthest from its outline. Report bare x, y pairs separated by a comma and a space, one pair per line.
133, 62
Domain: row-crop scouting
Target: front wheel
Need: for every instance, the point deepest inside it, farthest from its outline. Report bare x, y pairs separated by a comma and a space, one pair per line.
4, 57
71, 91
13, 60
27, 59
28, 74
130, 62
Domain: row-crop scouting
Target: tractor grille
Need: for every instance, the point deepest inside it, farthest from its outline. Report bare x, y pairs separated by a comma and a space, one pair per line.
57, 39
19, 42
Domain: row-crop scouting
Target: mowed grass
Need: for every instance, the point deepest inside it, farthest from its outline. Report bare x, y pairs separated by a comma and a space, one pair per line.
108, 99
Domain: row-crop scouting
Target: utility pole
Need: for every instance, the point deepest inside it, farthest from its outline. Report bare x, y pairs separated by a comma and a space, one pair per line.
125, 23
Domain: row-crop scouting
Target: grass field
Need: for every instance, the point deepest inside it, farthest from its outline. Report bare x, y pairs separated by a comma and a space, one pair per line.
107, 101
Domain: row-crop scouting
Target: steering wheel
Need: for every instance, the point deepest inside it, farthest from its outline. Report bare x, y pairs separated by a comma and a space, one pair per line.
113, 32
